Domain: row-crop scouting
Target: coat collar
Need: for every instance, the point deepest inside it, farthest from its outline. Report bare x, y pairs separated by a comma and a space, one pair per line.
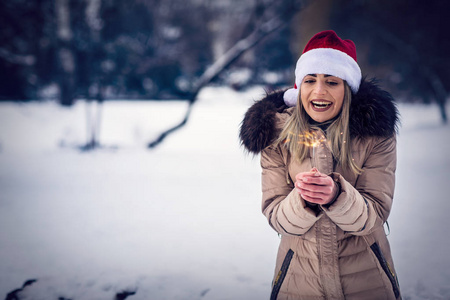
372, 113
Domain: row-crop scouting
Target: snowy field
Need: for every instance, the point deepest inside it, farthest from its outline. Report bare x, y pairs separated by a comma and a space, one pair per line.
181, 221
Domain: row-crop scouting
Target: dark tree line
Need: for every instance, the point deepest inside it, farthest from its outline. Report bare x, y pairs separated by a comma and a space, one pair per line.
160, 49
104, 49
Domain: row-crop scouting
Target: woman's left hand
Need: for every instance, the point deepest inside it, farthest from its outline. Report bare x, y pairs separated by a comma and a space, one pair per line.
316, 187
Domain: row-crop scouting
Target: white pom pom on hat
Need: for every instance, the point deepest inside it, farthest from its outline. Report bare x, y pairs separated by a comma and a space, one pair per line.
326, 53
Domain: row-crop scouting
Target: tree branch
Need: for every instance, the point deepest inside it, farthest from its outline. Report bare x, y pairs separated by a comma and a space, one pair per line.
262, 30
25, 60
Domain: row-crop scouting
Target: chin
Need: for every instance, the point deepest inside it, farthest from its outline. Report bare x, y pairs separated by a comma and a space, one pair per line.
320, 119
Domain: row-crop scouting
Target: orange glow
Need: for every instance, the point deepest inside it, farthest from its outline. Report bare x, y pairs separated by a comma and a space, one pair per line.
311, 139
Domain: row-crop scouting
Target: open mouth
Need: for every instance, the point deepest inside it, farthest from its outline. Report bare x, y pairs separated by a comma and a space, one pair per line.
320, 105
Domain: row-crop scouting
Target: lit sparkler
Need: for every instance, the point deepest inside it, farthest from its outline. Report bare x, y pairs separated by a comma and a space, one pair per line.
312, 139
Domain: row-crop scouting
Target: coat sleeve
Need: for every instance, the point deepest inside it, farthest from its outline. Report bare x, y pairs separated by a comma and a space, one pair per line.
285, 210
361, 208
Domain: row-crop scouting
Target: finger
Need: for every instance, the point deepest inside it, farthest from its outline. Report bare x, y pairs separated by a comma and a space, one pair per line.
299, 177
316, 173
312, 199
313, 195
302, 175
314, 180
316, 189
317, 180
307, 187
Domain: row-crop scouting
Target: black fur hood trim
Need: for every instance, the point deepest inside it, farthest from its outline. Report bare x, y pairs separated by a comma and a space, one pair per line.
372, 113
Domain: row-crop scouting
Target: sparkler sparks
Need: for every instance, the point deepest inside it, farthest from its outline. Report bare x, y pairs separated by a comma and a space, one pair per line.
315, 138
312, 139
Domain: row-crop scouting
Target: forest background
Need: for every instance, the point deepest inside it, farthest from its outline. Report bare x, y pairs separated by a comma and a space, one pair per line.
153, 49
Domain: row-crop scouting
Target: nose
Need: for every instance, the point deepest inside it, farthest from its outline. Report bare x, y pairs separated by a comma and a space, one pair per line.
320, 89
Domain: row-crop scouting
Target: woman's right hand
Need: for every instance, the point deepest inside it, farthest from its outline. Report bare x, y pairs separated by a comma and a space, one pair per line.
316, 187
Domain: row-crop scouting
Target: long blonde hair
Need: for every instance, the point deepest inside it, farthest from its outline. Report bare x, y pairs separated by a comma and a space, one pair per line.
298, 133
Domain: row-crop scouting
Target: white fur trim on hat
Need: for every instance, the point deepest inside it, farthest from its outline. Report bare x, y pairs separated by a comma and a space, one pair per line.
331, 62
325, 61
290, 97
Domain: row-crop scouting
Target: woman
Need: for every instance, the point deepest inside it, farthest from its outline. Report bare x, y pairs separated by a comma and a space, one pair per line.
328, 158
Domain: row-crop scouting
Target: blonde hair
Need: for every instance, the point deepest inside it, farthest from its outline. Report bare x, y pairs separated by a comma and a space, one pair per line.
298, 134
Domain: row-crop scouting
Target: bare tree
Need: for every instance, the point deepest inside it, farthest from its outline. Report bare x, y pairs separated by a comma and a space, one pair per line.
275, 16
94, 103
65, 52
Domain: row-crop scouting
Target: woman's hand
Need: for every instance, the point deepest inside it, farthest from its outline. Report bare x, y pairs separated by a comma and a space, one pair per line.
316, 187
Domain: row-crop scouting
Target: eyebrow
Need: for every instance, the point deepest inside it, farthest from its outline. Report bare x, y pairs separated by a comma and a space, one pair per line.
326, 75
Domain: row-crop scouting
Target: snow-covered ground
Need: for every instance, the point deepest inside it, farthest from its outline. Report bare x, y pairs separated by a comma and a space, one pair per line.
181, 221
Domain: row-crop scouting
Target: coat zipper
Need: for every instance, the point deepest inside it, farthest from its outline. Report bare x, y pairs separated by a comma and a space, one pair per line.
387, 268
281, 275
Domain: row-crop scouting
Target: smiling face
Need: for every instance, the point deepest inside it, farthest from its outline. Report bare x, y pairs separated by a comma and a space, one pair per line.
322, 96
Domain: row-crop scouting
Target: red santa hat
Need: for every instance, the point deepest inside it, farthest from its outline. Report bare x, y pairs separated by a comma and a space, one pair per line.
326, 53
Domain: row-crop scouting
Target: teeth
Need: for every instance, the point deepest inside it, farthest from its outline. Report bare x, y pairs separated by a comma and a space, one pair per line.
321, 103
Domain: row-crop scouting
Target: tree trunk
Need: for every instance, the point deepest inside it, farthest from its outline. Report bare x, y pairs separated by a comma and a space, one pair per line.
94, 111
440, 94
94, 105
65, 53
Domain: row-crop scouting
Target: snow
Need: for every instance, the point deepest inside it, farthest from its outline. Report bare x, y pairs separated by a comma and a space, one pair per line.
181, 221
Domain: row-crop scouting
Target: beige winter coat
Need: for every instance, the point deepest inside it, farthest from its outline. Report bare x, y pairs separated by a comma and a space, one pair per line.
339, 252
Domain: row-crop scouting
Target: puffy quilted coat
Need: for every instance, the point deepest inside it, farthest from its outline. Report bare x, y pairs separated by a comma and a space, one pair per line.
339, 251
